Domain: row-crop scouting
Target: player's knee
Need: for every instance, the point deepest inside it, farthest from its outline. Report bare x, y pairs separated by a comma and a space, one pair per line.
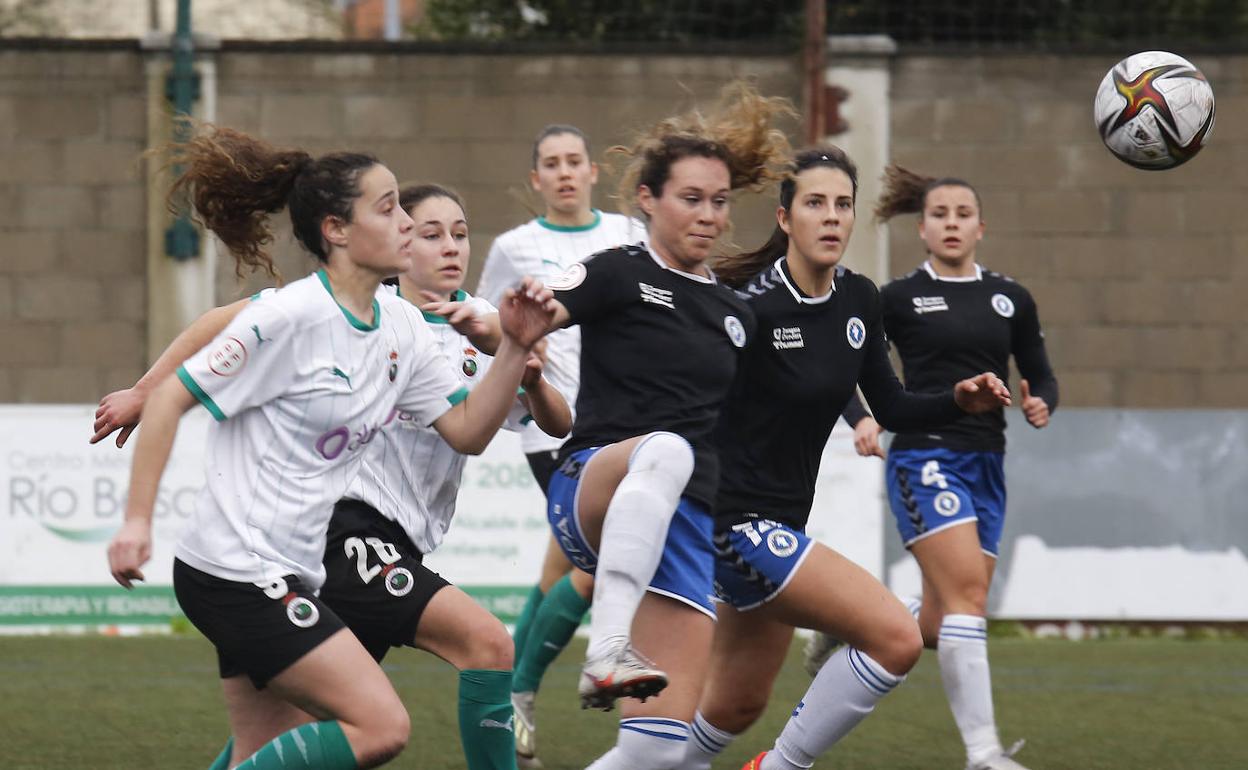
971, 598
386, 735
897, 643
744, 710
666, 454
490, 647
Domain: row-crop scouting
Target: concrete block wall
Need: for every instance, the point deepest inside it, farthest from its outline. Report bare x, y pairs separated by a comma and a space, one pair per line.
72, 288
1139, 276
467, 121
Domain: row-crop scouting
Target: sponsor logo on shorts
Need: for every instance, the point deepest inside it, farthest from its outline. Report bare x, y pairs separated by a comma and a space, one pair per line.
1003, 305
301, 612
736, 332
229, 358
782, 543
399, 581
856, 332
947, 504
572, 277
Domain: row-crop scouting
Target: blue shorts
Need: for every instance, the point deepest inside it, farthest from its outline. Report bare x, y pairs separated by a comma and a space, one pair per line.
686, 571
934, 489
755, 560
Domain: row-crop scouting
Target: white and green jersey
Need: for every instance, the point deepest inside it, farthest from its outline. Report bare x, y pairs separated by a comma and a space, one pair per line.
299, 388
410, 475
545, 251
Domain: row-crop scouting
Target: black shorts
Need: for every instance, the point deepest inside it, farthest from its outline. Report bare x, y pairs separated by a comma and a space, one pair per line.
374, 579
543, 464
257, 631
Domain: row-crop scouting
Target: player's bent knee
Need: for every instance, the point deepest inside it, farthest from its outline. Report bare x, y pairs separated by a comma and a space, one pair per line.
491, 647
664, 453
385, 737
898, 645
743, 712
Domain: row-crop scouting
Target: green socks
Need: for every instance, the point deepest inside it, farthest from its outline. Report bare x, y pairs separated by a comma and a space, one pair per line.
314, 746
525, 622
486, 724
223, 762
550, 630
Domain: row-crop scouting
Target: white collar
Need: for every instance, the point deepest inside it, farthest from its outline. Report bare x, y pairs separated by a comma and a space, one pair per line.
979, 274
691, 276
797, 295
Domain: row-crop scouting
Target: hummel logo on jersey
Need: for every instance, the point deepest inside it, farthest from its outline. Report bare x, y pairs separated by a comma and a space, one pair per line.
509, 725
787, 337
929, 304
656, 296
259, 340
340, 373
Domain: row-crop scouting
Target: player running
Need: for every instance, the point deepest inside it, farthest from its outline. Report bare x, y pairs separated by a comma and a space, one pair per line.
949, 317
819, 336
545, 247
300, 383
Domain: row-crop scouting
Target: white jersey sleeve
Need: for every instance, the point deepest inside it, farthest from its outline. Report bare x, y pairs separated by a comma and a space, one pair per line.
432, 389
248, 364
500, 271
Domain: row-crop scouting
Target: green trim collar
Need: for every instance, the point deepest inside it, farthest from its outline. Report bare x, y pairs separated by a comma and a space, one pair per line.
459, 295
351, 319
573, 228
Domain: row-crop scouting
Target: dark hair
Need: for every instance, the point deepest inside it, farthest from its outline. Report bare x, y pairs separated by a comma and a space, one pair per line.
737, 271
905, 192
411, 196
740, 132
236, 181
557, 129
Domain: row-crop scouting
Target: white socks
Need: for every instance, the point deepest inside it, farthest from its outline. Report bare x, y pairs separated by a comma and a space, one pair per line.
963, 654
646, 743
633, 534
845, 691
706, 741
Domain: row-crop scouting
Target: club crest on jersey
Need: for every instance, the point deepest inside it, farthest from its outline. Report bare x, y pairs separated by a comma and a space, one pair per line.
394, 365
736, 332
469, 365
1003, 305
781, 543
856, 333
229, 358
947, 504
572, 277
301, 612
398, 580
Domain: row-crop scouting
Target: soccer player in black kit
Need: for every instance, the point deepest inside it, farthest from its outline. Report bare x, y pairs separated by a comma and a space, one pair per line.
949, 317
819, 335
630, 500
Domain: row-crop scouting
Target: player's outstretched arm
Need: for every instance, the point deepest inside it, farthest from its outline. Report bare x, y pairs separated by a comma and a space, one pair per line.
131, 547
525, 314
546, 404
120, 410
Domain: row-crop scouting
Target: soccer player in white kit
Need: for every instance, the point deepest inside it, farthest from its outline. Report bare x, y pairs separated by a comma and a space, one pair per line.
544, 247
300, 383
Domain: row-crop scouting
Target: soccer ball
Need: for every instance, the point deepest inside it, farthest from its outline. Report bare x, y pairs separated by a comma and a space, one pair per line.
1154, 110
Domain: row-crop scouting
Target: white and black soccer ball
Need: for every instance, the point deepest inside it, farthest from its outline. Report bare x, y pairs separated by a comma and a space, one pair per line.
1154, 110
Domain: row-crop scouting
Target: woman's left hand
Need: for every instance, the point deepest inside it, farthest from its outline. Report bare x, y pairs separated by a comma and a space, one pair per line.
1035, 409
981, 393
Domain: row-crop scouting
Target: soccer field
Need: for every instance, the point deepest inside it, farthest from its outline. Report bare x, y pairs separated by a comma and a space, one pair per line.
93, 702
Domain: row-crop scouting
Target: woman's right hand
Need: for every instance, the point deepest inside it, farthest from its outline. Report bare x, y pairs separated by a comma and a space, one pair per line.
527, 312
120, 409
867, 438
129, 551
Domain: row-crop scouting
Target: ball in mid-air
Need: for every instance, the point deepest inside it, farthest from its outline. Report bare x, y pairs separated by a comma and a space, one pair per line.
1154, 110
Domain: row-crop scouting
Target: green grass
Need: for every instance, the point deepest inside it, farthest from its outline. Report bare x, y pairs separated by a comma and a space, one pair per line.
91, 702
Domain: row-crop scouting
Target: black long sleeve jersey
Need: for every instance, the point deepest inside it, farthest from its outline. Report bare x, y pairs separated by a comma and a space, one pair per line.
947, 330
797, 374
659, 352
